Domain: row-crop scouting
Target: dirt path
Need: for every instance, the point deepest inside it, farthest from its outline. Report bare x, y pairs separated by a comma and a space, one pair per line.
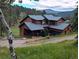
35, 41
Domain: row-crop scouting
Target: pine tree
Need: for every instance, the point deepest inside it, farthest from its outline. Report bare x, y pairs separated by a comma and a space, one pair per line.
74, 21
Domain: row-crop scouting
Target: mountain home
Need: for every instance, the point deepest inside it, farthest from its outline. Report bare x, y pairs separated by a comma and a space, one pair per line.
36, 25
31, 25
56, 25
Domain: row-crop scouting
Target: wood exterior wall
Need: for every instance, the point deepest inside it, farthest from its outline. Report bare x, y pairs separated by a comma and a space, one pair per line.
50, 22
28, 20
24, 31
37, 21
32, 20
67, 30
60, 21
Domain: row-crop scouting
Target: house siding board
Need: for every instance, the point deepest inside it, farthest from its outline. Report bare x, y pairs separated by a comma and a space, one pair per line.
54, 31
37, 21
27, 20
23, 19
57, 30
33, 18
68, 29
24, 30
60, 21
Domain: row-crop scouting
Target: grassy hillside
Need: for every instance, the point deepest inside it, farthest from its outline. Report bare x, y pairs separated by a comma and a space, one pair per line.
15, 31
63, 50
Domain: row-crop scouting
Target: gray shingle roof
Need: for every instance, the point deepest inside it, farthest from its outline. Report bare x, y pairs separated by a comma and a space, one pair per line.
61, 26
36, 17
51, 17
33, 26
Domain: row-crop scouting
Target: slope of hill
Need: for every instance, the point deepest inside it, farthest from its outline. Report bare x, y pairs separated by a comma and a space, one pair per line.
64, 14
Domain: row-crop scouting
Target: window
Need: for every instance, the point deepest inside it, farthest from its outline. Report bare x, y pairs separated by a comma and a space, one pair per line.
52, 22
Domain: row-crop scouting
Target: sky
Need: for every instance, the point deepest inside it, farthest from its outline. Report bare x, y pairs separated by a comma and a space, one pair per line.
58, 5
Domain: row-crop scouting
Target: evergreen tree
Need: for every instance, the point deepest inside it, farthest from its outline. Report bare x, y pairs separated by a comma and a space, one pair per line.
74, 21
5, 6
